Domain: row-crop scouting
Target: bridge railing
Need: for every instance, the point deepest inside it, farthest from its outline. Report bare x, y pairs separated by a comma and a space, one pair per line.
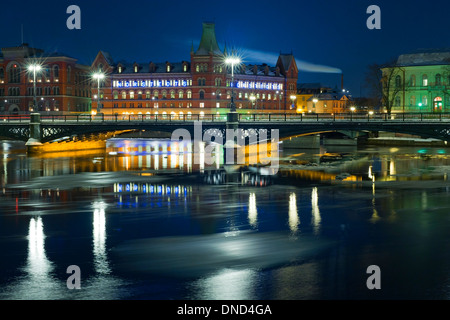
262, 117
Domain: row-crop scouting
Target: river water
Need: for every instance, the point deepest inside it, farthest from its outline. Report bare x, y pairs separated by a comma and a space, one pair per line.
143, 221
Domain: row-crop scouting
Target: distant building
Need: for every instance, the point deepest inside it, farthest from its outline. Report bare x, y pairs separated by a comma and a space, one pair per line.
307, 90
418, 82
199, 86
62, 84
329, 102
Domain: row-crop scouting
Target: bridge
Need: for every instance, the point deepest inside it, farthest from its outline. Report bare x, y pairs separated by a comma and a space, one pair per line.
45, 128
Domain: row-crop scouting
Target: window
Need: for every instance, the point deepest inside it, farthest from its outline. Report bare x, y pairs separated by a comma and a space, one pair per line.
120, 69
131, 94
124, 95
172, 94
140, 95
180, 94
202, 94
412, 101
164, 95
398, 81
397, 101
168, 68
147, 95
115, 95
189, 94
197, 68
424, 100
218, 82
185, 68
136, 69
155, 94
55, 72
424, 80
412, 81
14, 74
438, 80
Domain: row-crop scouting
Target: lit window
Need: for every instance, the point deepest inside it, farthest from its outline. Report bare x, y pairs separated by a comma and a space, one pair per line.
424, 80
131, 94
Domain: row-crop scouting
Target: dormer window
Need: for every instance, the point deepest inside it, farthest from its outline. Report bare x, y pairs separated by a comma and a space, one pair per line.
168, 68
136, 68
119, 69
185, 68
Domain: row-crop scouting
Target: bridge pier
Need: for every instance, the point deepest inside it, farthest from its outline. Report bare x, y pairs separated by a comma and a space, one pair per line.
34, 140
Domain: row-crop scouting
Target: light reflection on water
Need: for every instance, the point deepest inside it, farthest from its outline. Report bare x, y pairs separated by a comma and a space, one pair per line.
136, 206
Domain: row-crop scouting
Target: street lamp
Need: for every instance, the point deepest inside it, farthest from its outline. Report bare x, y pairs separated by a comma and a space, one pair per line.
293, 97
99, 76
315, 100
253, 99
232, 60
34, 68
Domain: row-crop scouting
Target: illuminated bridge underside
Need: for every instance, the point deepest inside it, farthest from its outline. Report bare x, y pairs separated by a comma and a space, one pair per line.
52, 131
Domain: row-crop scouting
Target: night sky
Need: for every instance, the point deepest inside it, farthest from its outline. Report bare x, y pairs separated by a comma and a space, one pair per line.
324, 36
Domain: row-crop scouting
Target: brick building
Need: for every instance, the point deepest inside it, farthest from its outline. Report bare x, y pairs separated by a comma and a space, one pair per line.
62, 85
199, 86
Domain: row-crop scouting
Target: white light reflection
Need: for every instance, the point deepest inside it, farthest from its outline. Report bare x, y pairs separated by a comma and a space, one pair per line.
294, 219
202, 157
252, 211
228, 284
38, 266
99, 239
315, 210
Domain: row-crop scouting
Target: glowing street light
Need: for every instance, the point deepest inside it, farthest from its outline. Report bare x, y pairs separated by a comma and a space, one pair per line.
293, 97
98, 76
34, 68
315, 100
232, 60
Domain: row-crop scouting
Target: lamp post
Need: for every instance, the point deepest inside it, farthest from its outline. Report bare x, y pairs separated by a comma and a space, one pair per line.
352, 109
232, 61
293, 97
34, 68
253, 99
99, 76
315, 100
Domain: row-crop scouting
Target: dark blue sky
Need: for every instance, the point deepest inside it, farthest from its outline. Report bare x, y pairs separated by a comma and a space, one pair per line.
323, 35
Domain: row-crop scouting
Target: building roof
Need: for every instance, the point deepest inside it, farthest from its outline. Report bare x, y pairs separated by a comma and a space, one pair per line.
329, 96
208, 42
424, 57
160, 67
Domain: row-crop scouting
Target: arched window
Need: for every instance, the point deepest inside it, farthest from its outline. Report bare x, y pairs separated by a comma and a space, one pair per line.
55, 71
115, 95
438, 80
172, 94
131, 94
147, 95
424, 100
412, 81
124, 95
397, 101
398, 81
189, 94
197, 68
200, 81
202, 94
412, 101
155, 94
14, 73
180, 94
140, 95
424, 80
164, 94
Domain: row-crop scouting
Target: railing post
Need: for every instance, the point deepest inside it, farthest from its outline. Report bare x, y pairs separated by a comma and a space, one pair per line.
285, 117
254, 117
440, 116
403, 115
301, 117
116, 116
421, 117
269, 117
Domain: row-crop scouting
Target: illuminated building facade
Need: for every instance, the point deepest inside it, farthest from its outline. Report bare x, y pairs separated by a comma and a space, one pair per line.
199, 86
419, 82
62, 84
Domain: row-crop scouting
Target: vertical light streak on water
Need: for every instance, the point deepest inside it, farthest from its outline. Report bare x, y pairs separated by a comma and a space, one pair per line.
294, 219
252, 211
315, 210
424, 200
202, 157
99, 239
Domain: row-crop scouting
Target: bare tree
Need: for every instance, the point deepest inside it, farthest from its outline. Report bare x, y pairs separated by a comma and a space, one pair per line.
383, 84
